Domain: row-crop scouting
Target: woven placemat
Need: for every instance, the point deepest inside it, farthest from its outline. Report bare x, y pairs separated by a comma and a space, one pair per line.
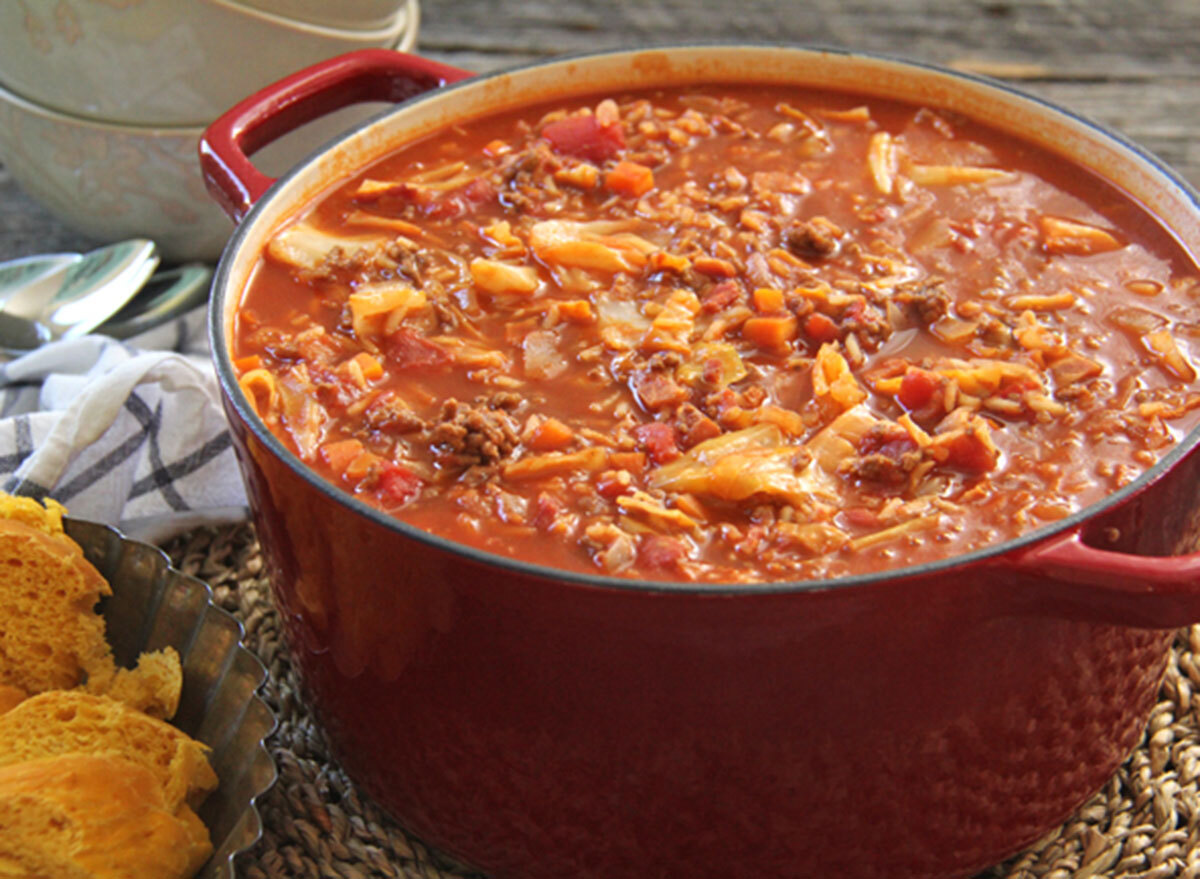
1145, 824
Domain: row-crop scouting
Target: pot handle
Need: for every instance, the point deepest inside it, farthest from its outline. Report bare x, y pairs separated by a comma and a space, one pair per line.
1078, 581
353, 78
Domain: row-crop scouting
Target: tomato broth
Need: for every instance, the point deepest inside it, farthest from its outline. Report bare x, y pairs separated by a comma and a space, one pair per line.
724, 334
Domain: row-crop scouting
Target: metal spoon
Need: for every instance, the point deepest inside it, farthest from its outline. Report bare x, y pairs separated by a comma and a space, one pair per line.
76, 301
44, 271
167, 295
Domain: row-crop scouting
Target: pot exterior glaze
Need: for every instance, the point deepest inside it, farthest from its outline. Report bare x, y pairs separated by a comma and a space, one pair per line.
920, 727
537, 725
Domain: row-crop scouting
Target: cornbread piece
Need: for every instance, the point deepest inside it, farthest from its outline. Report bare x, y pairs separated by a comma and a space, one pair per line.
50, 637
94, 817
11, 697
46, 517
153, 687
70, 721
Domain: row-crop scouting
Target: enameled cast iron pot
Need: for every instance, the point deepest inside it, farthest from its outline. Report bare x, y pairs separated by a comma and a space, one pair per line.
919, 723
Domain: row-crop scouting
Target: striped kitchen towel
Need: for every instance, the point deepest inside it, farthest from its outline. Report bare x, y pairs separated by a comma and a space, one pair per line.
128, 433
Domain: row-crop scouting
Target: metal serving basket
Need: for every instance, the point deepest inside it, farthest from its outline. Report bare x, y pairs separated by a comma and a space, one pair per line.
155, 605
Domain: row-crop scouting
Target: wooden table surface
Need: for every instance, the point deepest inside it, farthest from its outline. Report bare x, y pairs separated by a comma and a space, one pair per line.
1132, 66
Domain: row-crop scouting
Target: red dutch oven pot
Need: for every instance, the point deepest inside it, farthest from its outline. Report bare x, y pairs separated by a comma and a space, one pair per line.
924, 722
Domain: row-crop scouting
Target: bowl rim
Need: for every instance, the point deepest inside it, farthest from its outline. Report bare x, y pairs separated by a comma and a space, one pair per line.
390, 31
50, 114
398, 28
394, 4
990, 553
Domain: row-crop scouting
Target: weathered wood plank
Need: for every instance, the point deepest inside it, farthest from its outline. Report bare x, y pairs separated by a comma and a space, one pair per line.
1069, 38
1134, 67
26, 228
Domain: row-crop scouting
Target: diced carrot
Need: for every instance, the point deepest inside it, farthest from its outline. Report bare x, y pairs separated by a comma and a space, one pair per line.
634, 462
768, 299
338, 455
550, 436
362, 465
714, 268
577, 311
1072, 237
660, 260
630, 178
245, 364
820, 327
370, 366
770, 332
497, 148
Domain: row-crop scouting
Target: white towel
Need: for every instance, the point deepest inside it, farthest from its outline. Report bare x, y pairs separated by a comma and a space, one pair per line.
131, 434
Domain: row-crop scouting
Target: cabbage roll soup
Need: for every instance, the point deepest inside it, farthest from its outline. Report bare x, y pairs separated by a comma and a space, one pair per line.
724, 334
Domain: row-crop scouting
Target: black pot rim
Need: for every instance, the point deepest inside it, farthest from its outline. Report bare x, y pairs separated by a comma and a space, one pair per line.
993, 553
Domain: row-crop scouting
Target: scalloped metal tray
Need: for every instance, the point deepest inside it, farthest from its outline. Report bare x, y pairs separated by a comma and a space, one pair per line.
155, 605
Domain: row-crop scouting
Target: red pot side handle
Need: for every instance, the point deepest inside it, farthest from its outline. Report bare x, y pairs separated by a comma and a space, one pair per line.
354, 78
1097, 585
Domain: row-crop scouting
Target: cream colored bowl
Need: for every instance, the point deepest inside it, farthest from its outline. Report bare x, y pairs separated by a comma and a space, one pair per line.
338, 13
162, 62
110, 182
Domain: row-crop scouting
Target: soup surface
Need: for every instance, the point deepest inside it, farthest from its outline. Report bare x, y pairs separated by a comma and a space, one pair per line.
724, 334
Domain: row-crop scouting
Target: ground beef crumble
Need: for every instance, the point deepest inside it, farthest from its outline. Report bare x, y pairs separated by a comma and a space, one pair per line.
484, 431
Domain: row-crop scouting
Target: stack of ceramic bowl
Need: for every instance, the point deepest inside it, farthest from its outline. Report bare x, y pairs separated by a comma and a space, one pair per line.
102, 103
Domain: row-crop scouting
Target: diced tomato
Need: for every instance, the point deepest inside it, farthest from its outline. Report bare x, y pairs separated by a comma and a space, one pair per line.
712, 371
720, 296
407, 350
585, 138
694, 427
610, 485
916, 388
820, 328
442, 208
860, 517
658, 440
1015, 387
968, 452
397, 485
546, 509
656, 391
659, 551
891, 444
479, 190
